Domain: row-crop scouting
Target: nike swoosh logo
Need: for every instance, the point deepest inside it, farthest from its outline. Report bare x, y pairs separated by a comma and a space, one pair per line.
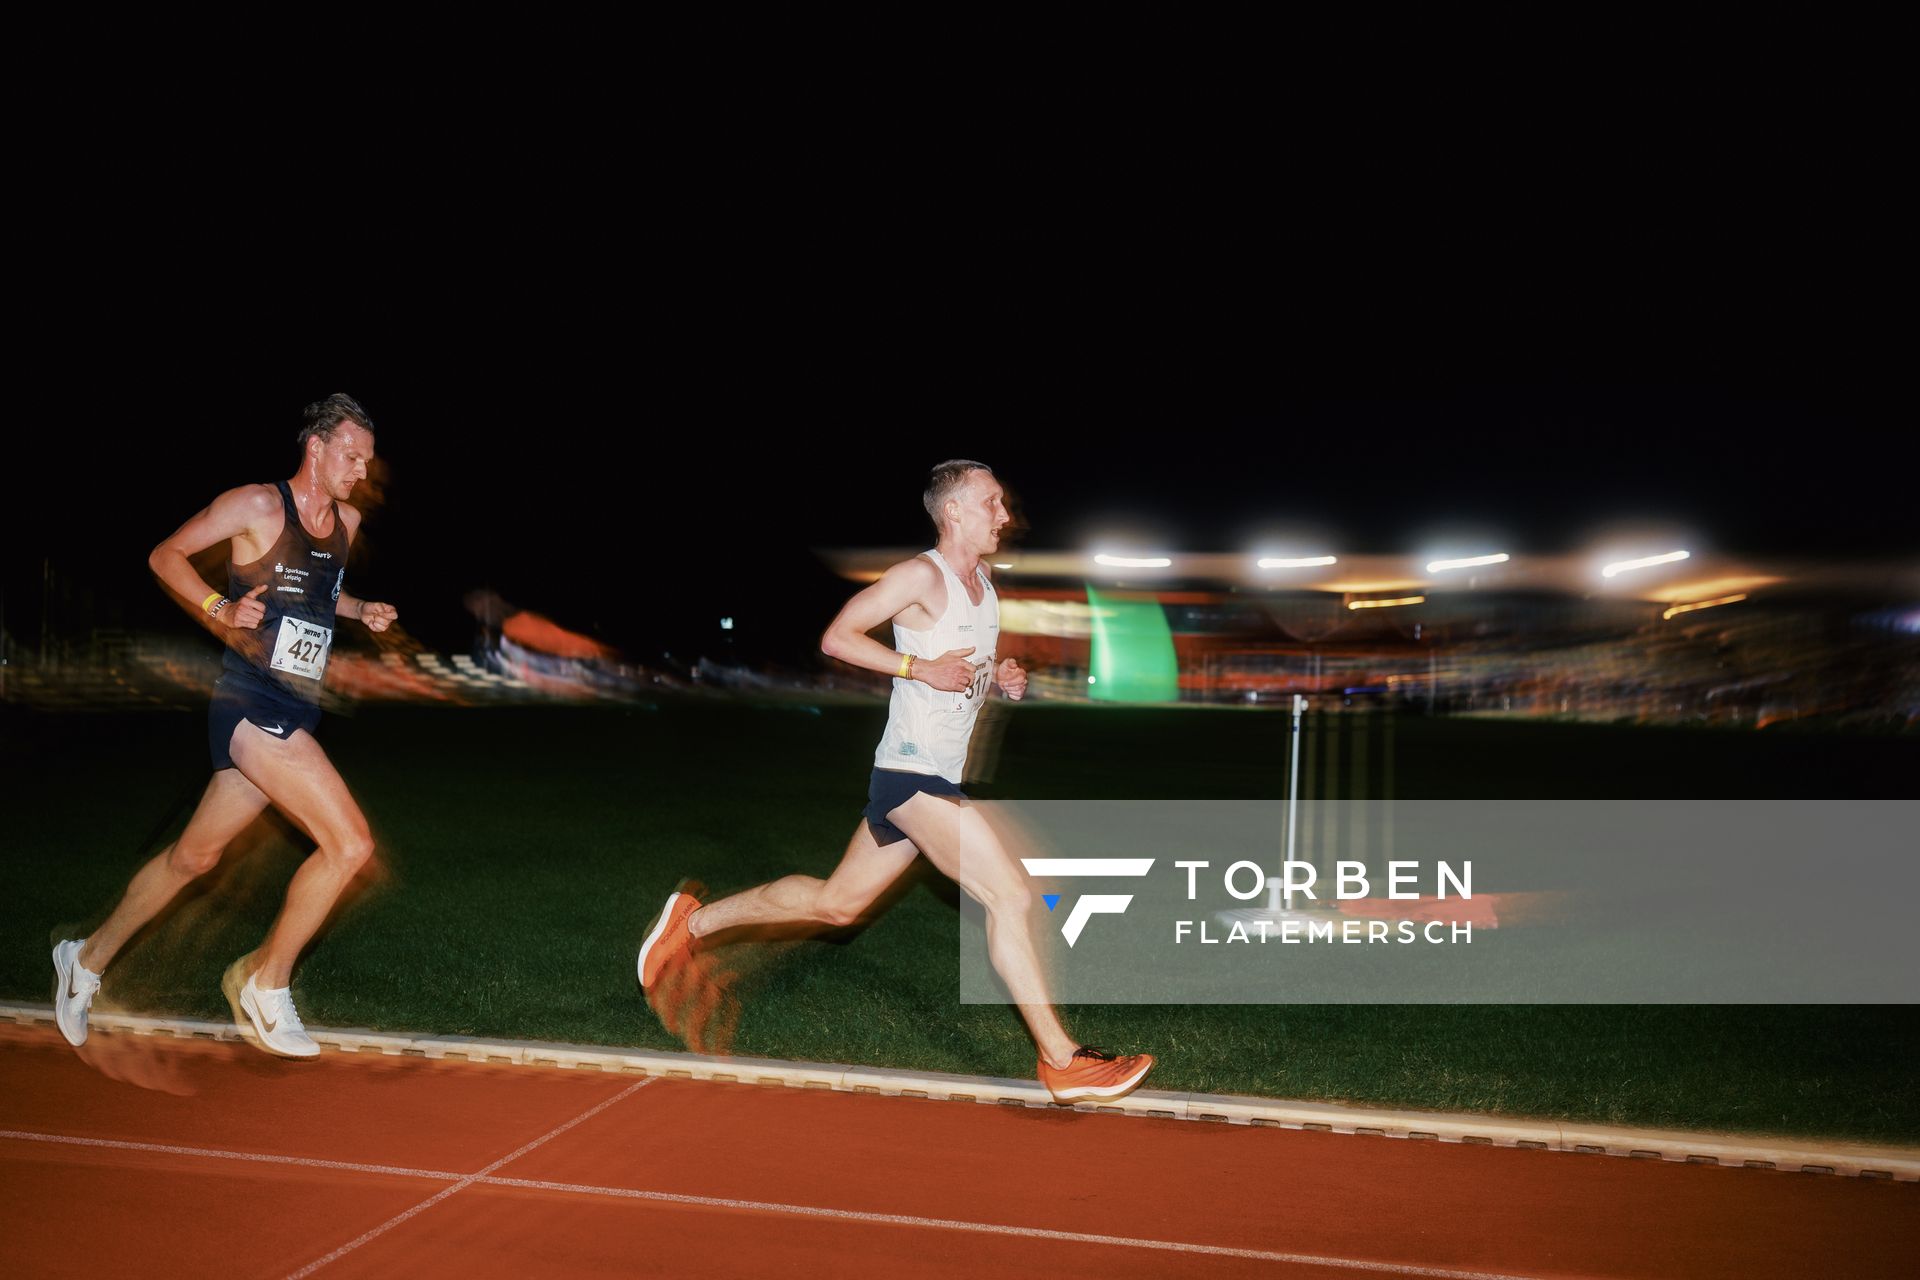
268, 1024
71, 993
277, 730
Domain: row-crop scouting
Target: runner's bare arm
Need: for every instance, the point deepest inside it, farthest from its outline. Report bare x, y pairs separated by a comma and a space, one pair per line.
911, 584
376, 615
1012, 679
247, 514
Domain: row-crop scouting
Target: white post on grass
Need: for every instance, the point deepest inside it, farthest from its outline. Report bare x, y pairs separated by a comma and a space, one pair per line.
1275, 885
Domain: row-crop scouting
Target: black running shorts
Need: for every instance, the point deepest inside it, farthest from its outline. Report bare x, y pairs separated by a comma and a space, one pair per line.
238, 697
891, 788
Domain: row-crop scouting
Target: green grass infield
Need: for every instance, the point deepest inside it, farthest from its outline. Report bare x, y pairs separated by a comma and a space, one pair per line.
523, 850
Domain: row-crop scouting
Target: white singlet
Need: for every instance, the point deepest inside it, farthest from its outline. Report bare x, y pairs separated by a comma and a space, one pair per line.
928, 728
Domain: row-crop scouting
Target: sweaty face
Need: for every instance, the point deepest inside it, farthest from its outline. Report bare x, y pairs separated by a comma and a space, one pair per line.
344, 457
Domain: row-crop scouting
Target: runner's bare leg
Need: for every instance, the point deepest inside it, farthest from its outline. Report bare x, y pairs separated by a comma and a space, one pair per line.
297, 776
228, 806
865, 871
960, 844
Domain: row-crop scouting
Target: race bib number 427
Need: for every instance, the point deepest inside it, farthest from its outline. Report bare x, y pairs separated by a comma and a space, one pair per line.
301, 649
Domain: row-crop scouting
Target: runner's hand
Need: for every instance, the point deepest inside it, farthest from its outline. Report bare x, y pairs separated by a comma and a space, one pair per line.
377, 616
1011, 679
950, 671
244, 612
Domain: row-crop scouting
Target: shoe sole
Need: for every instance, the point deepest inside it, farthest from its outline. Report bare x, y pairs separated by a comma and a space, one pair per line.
249, 1009
653, 936
1107, 1093
62, 976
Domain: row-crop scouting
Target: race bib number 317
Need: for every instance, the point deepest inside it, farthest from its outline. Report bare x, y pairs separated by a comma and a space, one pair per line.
982, 677
302, 648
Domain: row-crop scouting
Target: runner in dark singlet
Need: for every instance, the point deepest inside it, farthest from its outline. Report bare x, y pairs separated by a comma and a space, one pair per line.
273, 670
286, 569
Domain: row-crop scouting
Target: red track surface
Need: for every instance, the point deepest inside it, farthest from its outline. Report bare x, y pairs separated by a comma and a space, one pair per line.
220, 1166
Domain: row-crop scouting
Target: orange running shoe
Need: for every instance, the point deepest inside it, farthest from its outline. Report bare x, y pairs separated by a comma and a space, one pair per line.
667, 937
1095, 1075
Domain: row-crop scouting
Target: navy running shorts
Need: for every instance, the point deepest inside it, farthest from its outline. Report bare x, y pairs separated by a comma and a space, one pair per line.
237, 697
891, 788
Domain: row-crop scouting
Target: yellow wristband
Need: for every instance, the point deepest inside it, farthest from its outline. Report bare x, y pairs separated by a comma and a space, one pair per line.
209, 600
906, 666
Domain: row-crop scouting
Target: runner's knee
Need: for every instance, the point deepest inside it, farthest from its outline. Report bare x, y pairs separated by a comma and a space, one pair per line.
1008, 898
838, 912
349, 851
193, 859
840, 904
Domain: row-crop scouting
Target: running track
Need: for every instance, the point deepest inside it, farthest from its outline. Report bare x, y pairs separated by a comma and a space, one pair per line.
230, 1163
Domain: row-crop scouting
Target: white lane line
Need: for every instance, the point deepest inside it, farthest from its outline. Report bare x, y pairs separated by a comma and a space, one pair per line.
464, 1183
996, 1229
254, 1157
484, 1178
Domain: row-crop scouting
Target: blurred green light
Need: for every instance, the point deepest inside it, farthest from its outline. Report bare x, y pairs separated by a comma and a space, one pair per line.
1132, 654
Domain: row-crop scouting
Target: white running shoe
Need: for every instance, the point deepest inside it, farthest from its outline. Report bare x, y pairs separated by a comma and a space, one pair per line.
74, 987
275, 1021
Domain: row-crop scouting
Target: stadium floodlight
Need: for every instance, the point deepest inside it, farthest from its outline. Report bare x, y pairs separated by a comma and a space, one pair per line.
1385, 604
1133, 562
1701, 604
1471, 562
1622, 566
726, 624
1300, 562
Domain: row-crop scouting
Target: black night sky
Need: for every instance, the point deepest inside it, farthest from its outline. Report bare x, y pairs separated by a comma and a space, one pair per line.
637, 408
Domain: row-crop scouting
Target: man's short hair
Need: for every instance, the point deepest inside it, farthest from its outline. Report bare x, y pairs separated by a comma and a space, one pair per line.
324, 415
946, 478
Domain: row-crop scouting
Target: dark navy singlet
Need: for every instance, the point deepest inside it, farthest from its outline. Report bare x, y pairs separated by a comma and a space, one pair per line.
304, 575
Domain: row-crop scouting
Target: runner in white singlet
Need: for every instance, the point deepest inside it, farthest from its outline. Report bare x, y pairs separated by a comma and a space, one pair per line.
927, 728
946, 628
